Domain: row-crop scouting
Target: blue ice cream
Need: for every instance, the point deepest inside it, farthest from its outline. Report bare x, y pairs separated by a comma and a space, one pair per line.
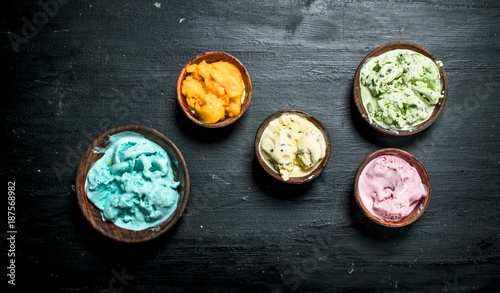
133, 184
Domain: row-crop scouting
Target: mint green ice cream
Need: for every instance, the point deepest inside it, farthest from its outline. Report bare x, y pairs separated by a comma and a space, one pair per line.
400, 89
132, 184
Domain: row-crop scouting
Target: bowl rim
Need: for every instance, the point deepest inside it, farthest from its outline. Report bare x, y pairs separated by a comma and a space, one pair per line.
109, 229
418, 210
293, 180
357, 89
181, 100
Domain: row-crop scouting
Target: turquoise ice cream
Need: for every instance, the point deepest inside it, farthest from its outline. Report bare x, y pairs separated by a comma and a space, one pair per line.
400, 88
132, 184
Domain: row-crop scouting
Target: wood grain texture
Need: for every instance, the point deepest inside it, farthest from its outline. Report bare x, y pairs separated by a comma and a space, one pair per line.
96, 65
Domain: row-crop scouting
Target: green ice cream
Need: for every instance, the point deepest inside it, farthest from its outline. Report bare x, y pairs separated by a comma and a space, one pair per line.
400, 89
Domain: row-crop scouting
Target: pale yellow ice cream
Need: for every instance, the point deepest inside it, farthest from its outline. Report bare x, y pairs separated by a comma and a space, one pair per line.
292, 146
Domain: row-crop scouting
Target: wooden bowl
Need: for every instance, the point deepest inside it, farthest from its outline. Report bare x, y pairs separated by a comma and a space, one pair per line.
421, 205
211, 57
92, 213
272, 172
357, 89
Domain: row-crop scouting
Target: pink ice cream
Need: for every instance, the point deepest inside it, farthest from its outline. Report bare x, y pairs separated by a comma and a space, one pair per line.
390, 188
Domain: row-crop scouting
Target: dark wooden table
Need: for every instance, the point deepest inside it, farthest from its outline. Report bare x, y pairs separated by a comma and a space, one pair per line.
72, 70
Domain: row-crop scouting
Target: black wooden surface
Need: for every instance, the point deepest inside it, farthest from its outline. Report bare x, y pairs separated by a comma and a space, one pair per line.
88, 66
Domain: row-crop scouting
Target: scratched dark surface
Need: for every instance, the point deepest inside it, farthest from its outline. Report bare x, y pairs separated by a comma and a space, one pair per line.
74, 70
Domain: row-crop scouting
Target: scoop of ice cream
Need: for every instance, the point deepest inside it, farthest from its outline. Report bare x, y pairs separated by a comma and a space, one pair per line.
311, 148
132, 184
390, 187
279, 144
292, 146
214, 91
400, 88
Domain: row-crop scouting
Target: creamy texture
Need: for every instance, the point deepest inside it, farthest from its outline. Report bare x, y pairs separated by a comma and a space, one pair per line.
132, 184
292, 146
214, 91
390, 188
400, 88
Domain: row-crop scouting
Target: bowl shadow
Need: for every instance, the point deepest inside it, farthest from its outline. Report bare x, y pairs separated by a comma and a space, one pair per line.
96, 243
275, 188
200, 133
371, 229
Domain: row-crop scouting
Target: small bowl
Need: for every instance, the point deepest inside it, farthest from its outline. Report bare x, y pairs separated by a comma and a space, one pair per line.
92, 213
421, 205
211, 57
357, 89
274, 174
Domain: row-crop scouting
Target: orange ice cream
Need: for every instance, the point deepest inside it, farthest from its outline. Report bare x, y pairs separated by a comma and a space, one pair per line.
214, 91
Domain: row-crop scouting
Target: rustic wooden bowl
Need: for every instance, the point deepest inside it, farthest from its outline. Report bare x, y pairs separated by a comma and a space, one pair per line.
210, 57
276, 175
419, 208
92, 213
357, 89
